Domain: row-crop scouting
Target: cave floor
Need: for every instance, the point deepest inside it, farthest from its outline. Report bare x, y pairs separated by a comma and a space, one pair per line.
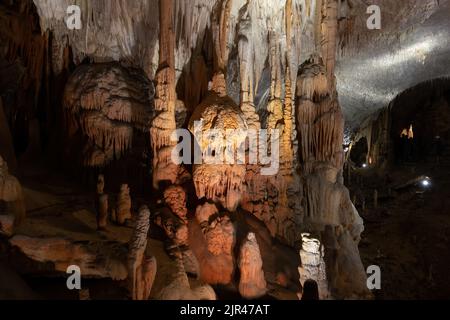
408, 234
60, 208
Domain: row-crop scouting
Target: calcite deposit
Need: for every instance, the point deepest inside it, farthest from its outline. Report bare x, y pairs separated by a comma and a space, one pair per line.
92, 120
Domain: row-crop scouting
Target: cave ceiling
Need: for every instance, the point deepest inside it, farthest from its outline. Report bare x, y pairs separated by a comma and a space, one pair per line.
373, 66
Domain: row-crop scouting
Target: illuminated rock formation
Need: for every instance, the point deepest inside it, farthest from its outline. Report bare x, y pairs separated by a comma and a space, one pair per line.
107, 102
164, 123
252, 284
220, 182
175, 198
313, 265
328, 205
141, 267
212, 239
179, 288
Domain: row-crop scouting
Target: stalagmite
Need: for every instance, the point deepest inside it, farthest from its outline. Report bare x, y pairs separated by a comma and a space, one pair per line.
313, 265
101, 204
223, 183
141, 267
175, 224
179, 287
252, 284
123, 206
212, 239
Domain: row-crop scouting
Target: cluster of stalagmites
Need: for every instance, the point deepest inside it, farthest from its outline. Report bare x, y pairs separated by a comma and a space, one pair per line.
12, 203
120, 213
106, 103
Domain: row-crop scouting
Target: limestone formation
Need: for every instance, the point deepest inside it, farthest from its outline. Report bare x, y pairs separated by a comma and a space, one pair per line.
321, 157
163, 125
141, 267
313, 265
221, 182
107, 103
179, 287
123, 205
102, 213
95, 259
102, 204
212, 239
252, 284
175, 198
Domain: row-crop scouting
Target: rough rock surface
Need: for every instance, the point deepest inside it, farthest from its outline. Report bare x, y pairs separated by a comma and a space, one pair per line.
107, 102
252, 284
222, 182
212, 239
104, 260
141, 268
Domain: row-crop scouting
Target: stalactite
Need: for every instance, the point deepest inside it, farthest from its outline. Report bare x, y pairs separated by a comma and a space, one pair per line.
107, 102
329, 27
164, 123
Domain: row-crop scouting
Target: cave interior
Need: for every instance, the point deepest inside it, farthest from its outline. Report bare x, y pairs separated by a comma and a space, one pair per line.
224, 149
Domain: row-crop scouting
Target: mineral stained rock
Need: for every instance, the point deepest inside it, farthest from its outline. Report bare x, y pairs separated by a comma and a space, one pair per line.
141, 268
212, 239
252, 284
107, 102
102, 259
221, 182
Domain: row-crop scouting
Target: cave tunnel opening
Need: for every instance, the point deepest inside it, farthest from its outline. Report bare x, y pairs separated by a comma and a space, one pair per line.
359, 151
420, 122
